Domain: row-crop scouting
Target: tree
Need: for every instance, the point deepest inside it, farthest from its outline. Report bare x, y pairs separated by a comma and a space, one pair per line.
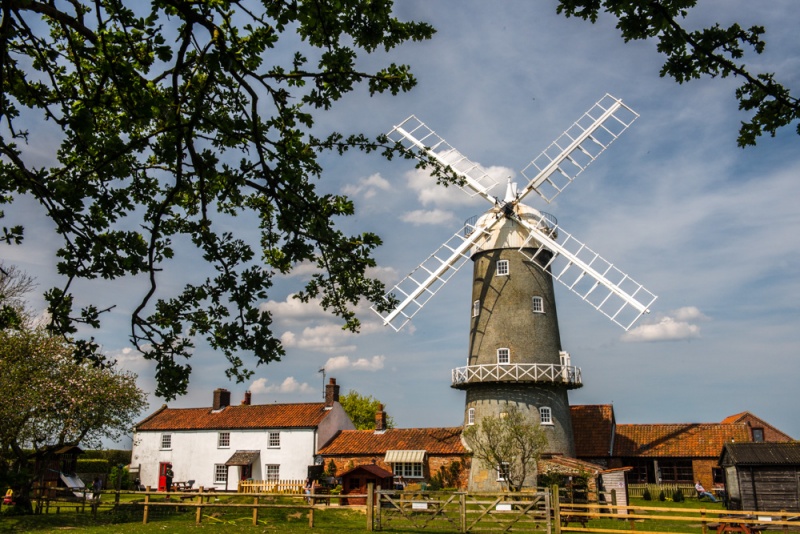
511, 443
14, 285
714, 51
173, 117
50, 401
362, 409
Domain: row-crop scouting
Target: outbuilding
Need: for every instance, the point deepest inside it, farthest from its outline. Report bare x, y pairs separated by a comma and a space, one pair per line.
762, 476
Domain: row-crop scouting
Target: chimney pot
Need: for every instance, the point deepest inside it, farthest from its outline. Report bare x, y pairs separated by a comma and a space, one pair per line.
247, 398
222, 398
380, 418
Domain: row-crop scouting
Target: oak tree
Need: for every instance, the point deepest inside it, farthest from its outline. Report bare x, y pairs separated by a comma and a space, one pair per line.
170, 119
716, 52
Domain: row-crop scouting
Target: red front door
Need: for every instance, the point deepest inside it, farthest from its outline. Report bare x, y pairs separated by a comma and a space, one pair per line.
162, 476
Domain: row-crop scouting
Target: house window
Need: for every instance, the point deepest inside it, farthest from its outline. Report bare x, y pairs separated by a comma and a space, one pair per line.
471, 416
220, 474
223, 440
274, 440
476, 308
673, 471
407, 469
166, 441
545, 415
502, 268
273, 472
503, 355
537, 304
502, 472
758, 435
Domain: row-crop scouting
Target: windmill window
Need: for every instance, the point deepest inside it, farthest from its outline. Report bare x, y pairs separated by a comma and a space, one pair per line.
476, 308
503, 356
502, 471
471, 416
502, 268
545, 415
537, 304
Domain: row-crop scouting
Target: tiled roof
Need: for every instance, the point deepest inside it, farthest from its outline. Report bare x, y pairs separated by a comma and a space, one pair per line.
735, 418
243, 416
592, 426
432, 440
686, 440
762, 453
371, 469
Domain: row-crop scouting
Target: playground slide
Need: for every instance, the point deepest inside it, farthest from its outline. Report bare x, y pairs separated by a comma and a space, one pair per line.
76, 485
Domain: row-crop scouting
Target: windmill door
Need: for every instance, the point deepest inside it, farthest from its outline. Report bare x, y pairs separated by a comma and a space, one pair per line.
162, 476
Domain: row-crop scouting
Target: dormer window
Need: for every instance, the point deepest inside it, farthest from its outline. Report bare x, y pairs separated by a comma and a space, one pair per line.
503, 355
501, 268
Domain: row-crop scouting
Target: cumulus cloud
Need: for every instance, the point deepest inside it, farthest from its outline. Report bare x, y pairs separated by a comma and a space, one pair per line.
367, 187
293, 309
434, 216
361, 364
674, 326
289, 385
325, 338
429, 193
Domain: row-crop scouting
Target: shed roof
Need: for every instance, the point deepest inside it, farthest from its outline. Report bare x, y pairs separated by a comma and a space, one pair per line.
369, 442
785, 453
687, 440
244, 416
243, 458
370, 468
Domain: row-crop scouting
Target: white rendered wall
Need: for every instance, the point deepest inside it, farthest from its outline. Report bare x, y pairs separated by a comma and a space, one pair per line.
336, 420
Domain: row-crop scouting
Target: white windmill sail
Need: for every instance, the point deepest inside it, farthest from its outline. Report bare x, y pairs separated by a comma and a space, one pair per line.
572, 263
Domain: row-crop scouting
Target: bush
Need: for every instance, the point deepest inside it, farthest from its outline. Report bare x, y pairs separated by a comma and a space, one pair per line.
92, 466
646, 495
661, 496
677, 496
124, 476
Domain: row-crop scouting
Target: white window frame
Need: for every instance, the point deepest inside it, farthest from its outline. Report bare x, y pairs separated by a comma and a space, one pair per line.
274, 440
471, 416
500, 477
407, 469
537, 304
166, 442
503, 353
272, 472
220, 474
546, 415
224, 440
501, 268
476, 308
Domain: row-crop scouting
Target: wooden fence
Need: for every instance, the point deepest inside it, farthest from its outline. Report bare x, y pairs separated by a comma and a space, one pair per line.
637, 490
271, 486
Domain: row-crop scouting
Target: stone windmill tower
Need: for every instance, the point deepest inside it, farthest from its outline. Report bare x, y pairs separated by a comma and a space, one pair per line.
515, 355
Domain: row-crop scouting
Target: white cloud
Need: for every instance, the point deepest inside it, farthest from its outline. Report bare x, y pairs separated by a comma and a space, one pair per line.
674, 326
293, 309
435, 216
289, 385
362, 364
367, 187
325, 338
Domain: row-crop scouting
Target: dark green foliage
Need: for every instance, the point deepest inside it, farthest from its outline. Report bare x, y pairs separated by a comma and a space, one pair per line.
646, 495
114, 456
662, 496
124, 477
169, 118
330, 470
448, 476
92, 465
715, 51
677, 496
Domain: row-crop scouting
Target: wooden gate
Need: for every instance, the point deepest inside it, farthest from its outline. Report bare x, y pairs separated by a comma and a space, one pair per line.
463, 512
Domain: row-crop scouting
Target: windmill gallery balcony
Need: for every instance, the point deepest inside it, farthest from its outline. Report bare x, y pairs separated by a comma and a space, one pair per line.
565, 375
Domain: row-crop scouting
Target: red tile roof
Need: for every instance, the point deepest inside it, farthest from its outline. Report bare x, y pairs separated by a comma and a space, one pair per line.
686, 440
243, 416
432, 440
593, 428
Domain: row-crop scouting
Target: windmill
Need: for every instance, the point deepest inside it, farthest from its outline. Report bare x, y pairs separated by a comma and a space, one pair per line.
515, 354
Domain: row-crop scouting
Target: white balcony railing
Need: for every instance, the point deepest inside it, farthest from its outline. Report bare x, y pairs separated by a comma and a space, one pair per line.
517, 372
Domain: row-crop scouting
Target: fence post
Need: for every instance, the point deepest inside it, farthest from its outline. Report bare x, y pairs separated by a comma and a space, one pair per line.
370, 506
614, 502
198, 515
146, 507
555, 497
462, 506
255, 511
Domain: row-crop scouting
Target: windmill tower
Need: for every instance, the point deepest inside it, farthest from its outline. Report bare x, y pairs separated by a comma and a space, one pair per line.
515, 357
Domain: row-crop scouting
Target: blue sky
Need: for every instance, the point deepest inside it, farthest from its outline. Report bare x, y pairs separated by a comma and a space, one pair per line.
710, 228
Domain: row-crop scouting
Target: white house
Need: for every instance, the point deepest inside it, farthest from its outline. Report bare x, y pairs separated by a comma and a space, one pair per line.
217, 446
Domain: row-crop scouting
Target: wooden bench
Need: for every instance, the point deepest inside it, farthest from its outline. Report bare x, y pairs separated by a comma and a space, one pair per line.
321, 491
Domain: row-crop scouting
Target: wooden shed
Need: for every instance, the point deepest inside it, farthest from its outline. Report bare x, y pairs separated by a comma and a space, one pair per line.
356, 480
762, 476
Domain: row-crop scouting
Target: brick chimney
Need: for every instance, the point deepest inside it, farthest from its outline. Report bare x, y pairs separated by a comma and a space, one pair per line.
222, 398
247, 398
331, 393
380, 419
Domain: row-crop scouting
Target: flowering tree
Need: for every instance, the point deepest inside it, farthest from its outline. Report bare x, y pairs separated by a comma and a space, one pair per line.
50, 401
